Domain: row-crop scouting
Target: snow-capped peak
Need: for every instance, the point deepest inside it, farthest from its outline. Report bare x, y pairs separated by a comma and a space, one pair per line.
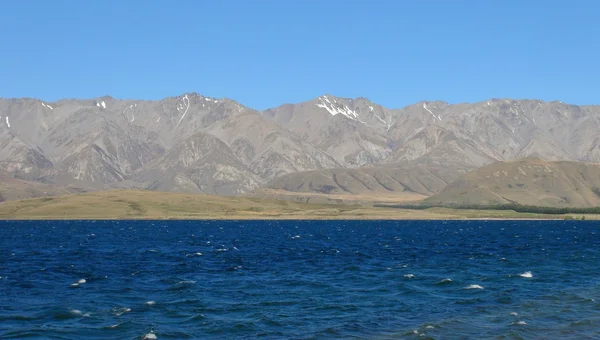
335, 108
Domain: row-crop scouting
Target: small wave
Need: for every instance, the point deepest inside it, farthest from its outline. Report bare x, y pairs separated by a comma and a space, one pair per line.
186, 282
527, 275
77, 312
444, 281
150, 336
519, 323
150, 303
473, 287
182, 284
409, 276
514, 314
79, 282
121, 311
194, 254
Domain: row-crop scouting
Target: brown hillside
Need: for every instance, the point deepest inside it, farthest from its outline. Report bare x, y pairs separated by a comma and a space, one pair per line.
528, 182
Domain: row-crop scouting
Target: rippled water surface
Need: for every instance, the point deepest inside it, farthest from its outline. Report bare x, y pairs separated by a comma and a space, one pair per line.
299, 280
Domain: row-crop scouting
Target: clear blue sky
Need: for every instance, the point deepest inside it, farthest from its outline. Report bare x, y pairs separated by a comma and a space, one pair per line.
265, 53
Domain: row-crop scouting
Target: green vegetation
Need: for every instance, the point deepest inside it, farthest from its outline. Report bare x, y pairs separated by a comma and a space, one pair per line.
511, 206
134, 204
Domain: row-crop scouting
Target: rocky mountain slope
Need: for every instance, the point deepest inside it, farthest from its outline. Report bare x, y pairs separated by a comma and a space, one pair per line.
195, 143
358, 132
106, 142
528, 182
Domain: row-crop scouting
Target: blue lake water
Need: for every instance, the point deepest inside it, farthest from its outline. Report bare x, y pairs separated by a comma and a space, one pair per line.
299, 279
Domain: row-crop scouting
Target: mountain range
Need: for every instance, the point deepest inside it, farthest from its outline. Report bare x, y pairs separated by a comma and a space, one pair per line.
197, 144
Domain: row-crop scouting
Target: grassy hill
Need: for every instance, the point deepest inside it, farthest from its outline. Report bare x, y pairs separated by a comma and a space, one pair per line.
125, 204
529, 181
129, 204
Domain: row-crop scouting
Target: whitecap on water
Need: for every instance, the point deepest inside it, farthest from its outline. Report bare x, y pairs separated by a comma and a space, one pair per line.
79, 282
194, 254
514, 314
150, 336
409, 276
121, 311
446, 280
473, 287
150, 303
185, 282
519, 323
527, 275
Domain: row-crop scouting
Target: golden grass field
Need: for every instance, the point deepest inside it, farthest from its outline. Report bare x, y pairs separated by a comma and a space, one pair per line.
320, 198
132, 204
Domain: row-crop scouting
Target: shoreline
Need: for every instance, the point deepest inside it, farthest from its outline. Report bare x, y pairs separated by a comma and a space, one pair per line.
240, 218
161, 206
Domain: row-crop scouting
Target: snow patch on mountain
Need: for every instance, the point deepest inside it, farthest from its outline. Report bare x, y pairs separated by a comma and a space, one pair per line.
335, 108
428, 110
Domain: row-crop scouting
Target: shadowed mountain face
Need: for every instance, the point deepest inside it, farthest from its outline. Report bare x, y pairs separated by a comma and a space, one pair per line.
13, 189
365, 181
195, 143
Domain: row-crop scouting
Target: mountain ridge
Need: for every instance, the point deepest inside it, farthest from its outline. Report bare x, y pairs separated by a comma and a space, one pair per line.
106, 141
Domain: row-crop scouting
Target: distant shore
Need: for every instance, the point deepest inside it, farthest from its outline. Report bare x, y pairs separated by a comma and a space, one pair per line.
150, 205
